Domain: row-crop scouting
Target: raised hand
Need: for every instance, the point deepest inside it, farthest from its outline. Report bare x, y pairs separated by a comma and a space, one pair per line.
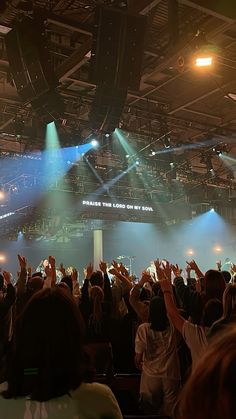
146, 277
219, 265
103, 266
115, 264
193, 265
48, 271
176, 270
62, 269
113, 271
233, 267
89, 270
52, 261
74, 275
188, 271
157, 263
159, 271
7, 277
166, 286
22, 261
123, 270
167, 270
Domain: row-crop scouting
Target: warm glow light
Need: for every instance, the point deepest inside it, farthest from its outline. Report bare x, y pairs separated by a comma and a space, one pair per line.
203, 61
217, 249
2, 195
190, 252
2, 258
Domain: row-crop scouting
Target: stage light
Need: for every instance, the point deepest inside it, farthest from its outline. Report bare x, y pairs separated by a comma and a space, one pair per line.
217, 249
2, 195
137, 162
172, 164
202, 61
212, 210
2, 258
127, 156
153, 153
190, 252
94, 143
107, 135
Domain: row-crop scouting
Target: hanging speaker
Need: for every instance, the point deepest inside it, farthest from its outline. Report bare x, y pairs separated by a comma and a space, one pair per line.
117, 49
29, 59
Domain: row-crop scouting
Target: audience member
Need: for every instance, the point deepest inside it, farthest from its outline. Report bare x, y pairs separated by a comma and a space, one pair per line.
156, 356
47, 367
210, 391
48, 350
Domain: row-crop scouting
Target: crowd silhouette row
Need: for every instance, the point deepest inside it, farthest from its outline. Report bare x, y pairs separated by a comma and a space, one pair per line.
112, 345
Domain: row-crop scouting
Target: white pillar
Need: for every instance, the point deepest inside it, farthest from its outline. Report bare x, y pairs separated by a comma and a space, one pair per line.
97, 248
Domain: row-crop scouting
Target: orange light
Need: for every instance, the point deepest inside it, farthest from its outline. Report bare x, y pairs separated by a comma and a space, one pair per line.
203, 61
190, 252
2, 258
217, 249
2, 195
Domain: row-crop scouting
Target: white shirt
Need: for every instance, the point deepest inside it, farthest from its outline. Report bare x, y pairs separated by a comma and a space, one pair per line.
195, 337
89, 401
159, 351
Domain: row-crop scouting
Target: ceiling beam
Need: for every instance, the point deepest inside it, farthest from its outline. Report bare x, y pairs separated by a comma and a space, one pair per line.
142, 6
201, 97
207, 10
207, 115
75, 61
69, 24
7, 122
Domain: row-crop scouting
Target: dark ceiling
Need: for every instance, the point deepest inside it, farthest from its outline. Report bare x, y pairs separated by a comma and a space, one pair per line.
193, 109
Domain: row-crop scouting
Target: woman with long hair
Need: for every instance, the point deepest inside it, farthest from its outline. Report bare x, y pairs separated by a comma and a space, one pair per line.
229, 311
194, 301
47, 367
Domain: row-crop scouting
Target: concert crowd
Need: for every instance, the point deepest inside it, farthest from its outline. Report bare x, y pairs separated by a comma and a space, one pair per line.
109, 346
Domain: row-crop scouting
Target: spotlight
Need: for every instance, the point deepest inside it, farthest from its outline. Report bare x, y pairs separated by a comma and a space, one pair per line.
153, 153
190, 252
2, 195
137, 162
2, 258
172, 164
127, 156
217, 249
107, 135
202, 61
94, 143
212, 209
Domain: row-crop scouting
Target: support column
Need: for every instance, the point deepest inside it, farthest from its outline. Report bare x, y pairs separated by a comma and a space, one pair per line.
97, 248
